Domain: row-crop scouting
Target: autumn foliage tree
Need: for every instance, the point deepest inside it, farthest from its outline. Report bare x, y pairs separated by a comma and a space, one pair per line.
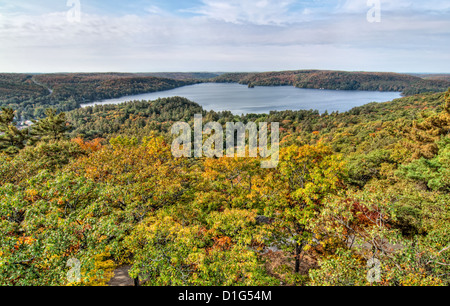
307, 175
427, 132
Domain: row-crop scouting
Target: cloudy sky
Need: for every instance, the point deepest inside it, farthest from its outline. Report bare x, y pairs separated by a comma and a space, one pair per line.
220, 35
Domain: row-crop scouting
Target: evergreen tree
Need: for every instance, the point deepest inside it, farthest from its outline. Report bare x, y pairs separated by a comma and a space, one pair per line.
11, 139
52, 127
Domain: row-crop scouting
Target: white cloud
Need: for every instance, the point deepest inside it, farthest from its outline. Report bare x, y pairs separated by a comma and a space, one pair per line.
155, 10
358, 6
232, 35
261, 12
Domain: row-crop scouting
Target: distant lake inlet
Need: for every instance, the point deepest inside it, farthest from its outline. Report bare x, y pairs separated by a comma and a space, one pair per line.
239, 99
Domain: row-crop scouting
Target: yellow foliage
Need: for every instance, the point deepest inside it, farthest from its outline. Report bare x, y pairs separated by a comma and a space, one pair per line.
103, 271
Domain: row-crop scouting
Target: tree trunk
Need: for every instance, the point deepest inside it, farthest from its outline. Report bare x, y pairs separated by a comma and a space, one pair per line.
298, 251
300, 229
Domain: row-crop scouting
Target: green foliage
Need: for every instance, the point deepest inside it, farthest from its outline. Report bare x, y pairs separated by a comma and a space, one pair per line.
433, 173
138, 118
50, 155
362, 168
52, 127
348, 188
11, 138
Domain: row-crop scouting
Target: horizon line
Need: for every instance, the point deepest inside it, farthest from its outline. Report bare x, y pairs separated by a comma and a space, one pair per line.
217, 71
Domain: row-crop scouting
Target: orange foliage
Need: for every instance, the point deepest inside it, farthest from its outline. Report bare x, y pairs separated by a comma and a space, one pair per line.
223, 243
89, 146
24, 240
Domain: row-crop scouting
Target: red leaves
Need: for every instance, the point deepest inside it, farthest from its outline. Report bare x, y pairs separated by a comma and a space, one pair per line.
223, 243
367, 216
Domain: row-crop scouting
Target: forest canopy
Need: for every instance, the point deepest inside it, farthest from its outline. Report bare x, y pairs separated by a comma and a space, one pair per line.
100, 185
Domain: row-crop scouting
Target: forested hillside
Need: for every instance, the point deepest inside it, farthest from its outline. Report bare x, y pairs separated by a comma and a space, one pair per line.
341, 80
91, 87
30, 95
434, 76
16, 88
182, 75
100, 185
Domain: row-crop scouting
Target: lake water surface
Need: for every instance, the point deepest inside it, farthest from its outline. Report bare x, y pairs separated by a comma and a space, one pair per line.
239, 99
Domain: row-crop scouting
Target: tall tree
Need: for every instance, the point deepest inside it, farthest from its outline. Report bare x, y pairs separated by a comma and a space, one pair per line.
307, 175
11, 139
52, 127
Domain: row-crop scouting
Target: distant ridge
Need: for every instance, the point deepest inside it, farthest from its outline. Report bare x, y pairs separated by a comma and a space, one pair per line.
341, 80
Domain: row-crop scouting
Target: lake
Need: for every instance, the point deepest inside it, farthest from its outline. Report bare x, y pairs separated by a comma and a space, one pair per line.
239, 99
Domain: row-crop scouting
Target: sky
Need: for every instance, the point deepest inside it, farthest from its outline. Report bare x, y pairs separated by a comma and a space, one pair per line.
218, 35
